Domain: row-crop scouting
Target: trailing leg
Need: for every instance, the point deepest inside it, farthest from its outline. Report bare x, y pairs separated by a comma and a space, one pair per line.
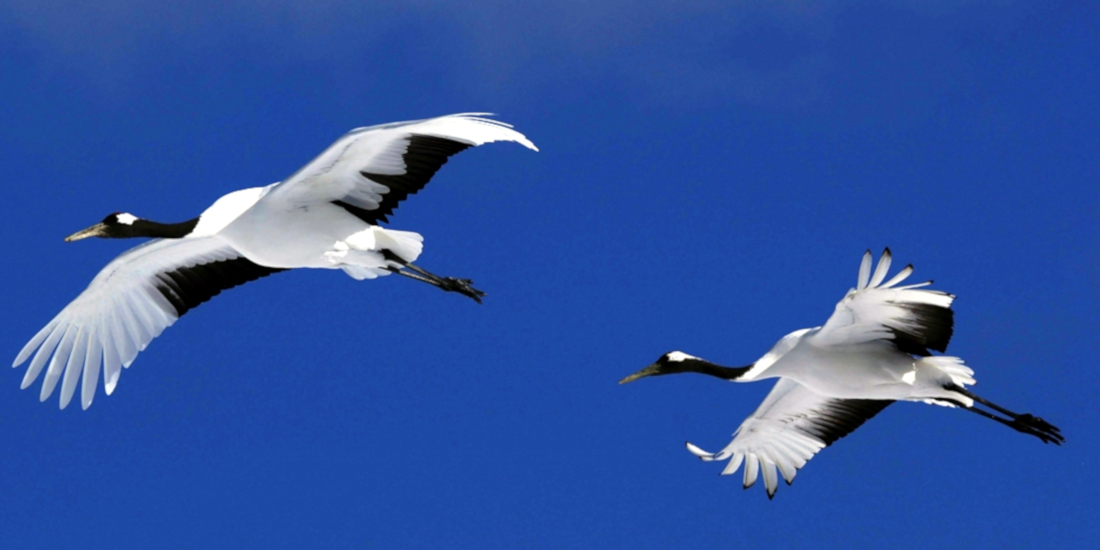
1023, 423
448, 284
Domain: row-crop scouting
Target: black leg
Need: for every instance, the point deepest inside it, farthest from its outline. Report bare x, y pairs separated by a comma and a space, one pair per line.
412, 276
1046, 437
1023, 423
448, 284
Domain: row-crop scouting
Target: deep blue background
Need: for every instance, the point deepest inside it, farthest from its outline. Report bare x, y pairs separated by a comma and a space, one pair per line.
710, 174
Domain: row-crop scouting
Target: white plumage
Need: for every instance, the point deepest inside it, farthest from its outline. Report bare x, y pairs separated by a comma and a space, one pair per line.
325, 215
872, 351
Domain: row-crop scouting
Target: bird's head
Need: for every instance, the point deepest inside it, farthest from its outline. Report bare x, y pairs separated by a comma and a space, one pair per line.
673, 362
119, 225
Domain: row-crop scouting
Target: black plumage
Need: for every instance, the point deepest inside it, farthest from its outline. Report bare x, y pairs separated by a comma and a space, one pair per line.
423, 158
187, 287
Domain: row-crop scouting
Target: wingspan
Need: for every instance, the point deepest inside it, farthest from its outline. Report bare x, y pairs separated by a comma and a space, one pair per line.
370, 170
791, 426
915, 319
130, 302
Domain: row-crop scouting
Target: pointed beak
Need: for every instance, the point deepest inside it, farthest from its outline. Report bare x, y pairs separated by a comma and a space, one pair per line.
650, 370
97, 230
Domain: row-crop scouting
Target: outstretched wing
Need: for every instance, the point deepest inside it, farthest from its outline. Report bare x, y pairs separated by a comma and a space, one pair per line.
133, 299
787, 430
914, 319
370, 170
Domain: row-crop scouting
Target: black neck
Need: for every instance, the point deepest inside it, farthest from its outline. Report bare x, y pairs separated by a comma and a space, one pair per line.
718, 371
146, 228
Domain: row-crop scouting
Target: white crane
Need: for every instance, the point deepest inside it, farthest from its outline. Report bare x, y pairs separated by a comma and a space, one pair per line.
325, 215
872, 351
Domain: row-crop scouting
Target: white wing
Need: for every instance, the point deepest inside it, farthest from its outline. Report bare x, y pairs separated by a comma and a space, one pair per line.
133, 299
370, 170
916, 320
787, 430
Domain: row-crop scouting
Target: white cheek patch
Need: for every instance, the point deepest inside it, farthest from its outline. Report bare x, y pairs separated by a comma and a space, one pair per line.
126, 218
679, 357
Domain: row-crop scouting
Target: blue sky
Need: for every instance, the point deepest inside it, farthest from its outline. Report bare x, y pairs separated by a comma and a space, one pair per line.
709, 175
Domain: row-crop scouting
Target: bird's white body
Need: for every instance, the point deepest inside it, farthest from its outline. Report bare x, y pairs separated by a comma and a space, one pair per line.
315, 236
325, 215
224, 210
868, 370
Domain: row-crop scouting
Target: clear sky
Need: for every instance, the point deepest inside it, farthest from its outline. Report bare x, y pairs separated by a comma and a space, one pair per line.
710, 173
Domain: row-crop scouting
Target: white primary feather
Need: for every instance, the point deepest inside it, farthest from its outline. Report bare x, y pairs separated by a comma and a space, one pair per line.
864, 271
786, 430
119, 313
883, 267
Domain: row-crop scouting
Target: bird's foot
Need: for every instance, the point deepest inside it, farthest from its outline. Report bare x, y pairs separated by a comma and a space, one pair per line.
461, 286
1037, 423
1038, 427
